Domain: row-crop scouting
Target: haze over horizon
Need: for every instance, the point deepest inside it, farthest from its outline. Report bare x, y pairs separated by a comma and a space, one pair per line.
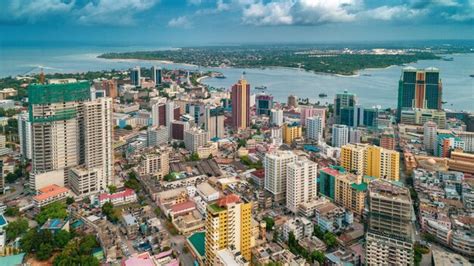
205, 22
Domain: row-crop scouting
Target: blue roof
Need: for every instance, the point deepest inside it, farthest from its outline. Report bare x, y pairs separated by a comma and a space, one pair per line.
12, 259
3, 221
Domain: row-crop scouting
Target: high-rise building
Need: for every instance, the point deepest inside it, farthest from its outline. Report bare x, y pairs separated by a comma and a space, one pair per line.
310, 111
445, 143
24, 134
228, 226
156, 136
178, 128
276, 165
195, 138
387, 141
419, 88
340, 135
214, 122
2, 177
135, 76
291, 132
156, 75
341, 101
314, 128
155, 163
158, 114
370, 117
241, 105
327, 180
352, 116
264, 103
350, 191
292, 101
354, 135
277, 117
371, 161
300, 183
68, 130
390, 225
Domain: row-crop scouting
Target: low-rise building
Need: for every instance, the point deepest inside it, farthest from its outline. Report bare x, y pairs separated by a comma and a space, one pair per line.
50, 194
118, 198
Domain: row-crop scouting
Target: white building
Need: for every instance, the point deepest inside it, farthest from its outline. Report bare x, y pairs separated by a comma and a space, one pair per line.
301, 227
157, 135
301, 183
277, 117
276, 165
314, 128
24, 134
195, 138
354, 135
207, 192
155, 163
429, 135
340, 135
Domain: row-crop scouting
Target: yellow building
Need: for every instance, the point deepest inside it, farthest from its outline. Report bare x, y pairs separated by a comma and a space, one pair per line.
371, 160
228, 226
291, 132
350, 192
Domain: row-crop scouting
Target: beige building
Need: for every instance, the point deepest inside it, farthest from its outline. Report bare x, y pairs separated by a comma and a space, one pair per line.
300, 183
275, 165
195, 138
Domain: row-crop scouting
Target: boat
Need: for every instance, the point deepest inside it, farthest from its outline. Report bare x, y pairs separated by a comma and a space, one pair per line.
448, 59
219, 76
263, 87
472, 75
323, 95
366, 75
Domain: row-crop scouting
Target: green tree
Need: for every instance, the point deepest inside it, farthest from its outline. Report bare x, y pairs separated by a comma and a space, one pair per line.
44, 251
69, 200
317, 256
12, 211
169, 177
128, 127
112, 189
11, 178
194, 157
330, 239
269, 223
16, 228
133, 184
110, 212
51, 211
61, 238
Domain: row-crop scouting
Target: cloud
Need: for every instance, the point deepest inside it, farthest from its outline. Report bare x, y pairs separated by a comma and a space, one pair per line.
390, 13
194, 2
32, 11
179, 22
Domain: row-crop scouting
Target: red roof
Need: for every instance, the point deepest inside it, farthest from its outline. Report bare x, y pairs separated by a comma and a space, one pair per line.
50, 191
259, 173
177, 208
331, 171
126, 193
229, 199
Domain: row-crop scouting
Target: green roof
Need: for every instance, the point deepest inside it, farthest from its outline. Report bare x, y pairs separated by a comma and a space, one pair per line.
360, 187
57, 93
215, 208
12, 259
198, 240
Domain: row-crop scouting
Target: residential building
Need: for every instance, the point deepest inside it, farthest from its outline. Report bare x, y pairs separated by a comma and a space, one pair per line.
291, 132
314, 128
388, 141
241, 105
276, 117
300, 183
389, 236
332, 218
327, 180
118, 198
340, 135
429, 136
276, 167
307, 111
354, 135
50, 194
228, 225
195, 138
301, 227
350, 191
445, 143
157, 135
24, 134
155, 163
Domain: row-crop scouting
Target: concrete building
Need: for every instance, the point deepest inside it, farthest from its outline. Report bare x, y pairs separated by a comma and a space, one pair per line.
421, 116
340, 135
291, 133
292, 101
135, 76
276, 117
314, 128
24, 134
228, 225
343, 100
390, 236
350, 191
214, 122
156, 75
178, 128
276, 168
388, 141
195, 138
445, 143
354, 135
155, 163
263, 103
429, 136
307, 111
300, 183
50, 194
241, 105
301, 227
156, 136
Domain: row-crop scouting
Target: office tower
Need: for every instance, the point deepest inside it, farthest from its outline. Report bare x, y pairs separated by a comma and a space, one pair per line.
169, 113
354, 135
135, 76
241, 105
352, 116
156, 136
314, 128
419, 88
390, 225
301, 183
69, 130
158, 114
445, 143
387, 141
24, 134
370, 117
195, 138
264, 103
340, 135
214, 122
341, 101
277, 117
156, 75
430, 130
370, 160
228, 226
109, 86
197, 110
292, 101
276, 165
291, 132
310, 111
350, 191
178, 128
421, 116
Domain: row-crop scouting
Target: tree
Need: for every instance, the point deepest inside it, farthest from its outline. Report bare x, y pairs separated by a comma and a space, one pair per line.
11, 178
51, 211
44, 252
12, 211
112, 189
78, 252
133, 184
317, 232
330, 239
194, 157
69, 200
61, 238
110, 212
317, 256
269, 223
16, 228
169, 177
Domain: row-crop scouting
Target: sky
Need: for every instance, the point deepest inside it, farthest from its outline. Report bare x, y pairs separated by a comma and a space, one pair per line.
213, 22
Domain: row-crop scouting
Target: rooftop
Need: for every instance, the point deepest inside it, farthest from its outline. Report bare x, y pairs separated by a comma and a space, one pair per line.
50, 191
197, 240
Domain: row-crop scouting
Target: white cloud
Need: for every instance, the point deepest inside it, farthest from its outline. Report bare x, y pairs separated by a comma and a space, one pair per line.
33, 10
194, 2
180, 22
388, 13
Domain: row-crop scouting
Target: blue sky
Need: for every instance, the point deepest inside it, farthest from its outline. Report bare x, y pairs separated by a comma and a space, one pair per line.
200, 22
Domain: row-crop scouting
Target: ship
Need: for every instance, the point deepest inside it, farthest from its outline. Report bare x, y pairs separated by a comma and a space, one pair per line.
323, 95
448, 59
219, 76
472, 75
262, 88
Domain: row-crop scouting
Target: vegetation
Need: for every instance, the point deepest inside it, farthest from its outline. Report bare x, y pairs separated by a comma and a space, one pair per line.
78, 251
112, 189
296, 248
169, 177
69, 200
16, 228
128, 127
12, 211
329, 238
111, 213
269, 223
51, 211
194, 157
246, 160
419, 250
132, 181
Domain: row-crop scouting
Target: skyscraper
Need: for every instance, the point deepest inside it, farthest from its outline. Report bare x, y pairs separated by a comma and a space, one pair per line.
214, 122
390, 229
24, 134
301, 183
419, 88
314, 128
241, 105
135, 76
310, 111
277, 117
158, 114
276, 165
429, 136
340, 135
228, 223
292, 101
264, 103
343, 100
156, 75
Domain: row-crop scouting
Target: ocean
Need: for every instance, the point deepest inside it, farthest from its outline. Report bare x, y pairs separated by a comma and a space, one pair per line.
374, 87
